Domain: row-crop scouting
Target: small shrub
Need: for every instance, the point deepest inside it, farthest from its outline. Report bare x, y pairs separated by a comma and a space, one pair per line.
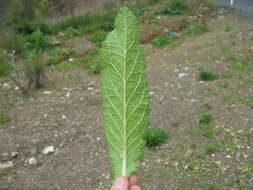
175, 7
195, 29
30, 73
155, 137
3, 119
37, 41
98, 38
207, 76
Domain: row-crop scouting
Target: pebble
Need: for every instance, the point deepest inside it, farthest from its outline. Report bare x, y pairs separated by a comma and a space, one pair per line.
32, 161
47, 92
181, 75
71, 59
14, 154
48, 150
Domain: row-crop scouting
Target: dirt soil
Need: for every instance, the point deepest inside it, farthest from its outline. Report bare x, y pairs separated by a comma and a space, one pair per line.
67, 115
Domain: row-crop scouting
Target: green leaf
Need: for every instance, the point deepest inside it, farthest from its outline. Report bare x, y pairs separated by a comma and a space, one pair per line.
125, 94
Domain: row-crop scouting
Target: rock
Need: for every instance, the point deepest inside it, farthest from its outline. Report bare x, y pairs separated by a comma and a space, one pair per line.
71, 59
48, 150
151, 93
14, 154
47, 92
32, 161
181, 75
56, 42
6, 167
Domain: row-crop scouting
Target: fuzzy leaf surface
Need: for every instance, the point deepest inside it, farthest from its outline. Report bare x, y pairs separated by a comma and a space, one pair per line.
125, 94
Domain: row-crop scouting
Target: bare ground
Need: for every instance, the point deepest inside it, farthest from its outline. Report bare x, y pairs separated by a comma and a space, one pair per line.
67, 115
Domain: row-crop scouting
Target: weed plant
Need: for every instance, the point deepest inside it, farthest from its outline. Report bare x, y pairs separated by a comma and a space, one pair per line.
155, 137
206, 126
4, 119
207, 76
175, 7
195, 29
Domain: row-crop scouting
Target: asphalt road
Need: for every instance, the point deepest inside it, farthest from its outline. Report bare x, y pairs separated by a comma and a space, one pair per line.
245, 7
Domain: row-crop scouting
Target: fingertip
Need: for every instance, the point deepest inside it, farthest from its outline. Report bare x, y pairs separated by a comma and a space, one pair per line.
135, 187
133, 180
120, 184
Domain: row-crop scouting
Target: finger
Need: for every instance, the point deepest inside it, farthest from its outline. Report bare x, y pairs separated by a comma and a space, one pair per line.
133, 180
120, 184
135, 187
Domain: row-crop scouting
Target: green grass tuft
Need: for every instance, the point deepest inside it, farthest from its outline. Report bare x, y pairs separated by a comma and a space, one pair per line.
155, 137
206, 126
4, 119
98, 38
207, 76
195, 29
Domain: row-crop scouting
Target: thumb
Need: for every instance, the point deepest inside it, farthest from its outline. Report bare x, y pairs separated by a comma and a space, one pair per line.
121, 184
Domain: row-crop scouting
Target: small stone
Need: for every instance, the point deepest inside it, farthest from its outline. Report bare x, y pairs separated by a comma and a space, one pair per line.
181, 75
47, 92
90, 88
56, 43
151, 93
228, 156
32, 161
63, 116
48, 150
71, 59
16, 88
14, 154
6, 85
68, 95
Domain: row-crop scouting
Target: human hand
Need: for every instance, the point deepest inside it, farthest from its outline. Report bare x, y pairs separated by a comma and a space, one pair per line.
124, 184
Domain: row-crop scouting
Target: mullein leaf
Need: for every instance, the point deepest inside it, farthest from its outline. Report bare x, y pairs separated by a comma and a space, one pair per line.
125, 94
